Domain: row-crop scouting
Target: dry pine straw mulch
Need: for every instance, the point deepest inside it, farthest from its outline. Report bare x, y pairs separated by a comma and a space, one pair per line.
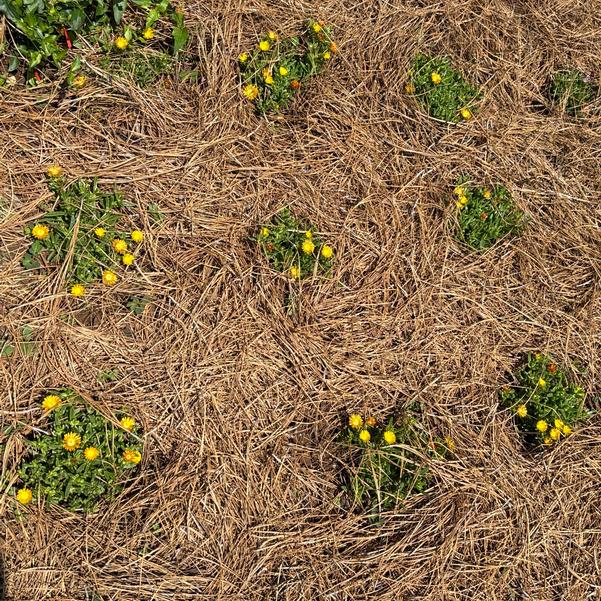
240, 395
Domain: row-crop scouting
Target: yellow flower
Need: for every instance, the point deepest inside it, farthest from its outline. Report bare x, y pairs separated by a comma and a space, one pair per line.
542, 425
272, 35
100, 232
77, 290
371, 422
294, 272
558, 424
54, 171
566, 430
251, 91
389, 437
459, 191
137, 236
450, 443
547, 440
40, 231
364, 436
91, 453
148, 33
80, 81
109, 278
308, 246
333, 47
487, 193
463, 200
466, 114
542, 383
327, 56
409, 88
121, 43
283, 71
127, 423
355, 421
522, 411
326, 251
264, 232
555, 433
269, 80
308, 234
132, 456
50, 402
316, 27
436, 78
71, 441
264, 45
24, 496
119, 246
243, 57
128, 259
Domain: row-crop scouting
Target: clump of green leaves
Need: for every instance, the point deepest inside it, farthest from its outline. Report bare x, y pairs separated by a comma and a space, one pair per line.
72, 478
46, 30
292, 246
486, 215
389, 462
546, 404
273, 73
572, 90
25, 344
441, 90
81, 228
143, 66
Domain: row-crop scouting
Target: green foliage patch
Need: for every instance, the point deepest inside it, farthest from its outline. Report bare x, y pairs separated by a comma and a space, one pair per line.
572, 90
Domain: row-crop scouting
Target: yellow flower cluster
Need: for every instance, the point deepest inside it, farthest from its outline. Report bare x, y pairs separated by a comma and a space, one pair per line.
558, 430
462, 199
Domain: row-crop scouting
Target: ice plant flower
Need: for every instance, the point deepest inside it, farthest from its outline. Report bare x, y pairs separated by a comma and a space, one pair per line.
542, 425
127, 423
371, 422
128, 259
463, 200
522, 411
243, 57
409, 88
251, 91
109, 278
308, 234
272, 35
327, 56
566, 430
450, 443
459, 191
54, 171
436, 78
283, 71
558, 424
264, 45
119, 246
80, 81
71, 441
308, 246
39, 232
355, 421
294, 272
77, 290
100, 232
91, 453
316, 27
24, 496
148, 33
121, 43
542, 382
487, 194
466, 113
555, 433
50, 402
333, 47
547, 440
264, 232
132, 456
269, 80
389, 437
137, 236
295, 84
327, 252
364, 436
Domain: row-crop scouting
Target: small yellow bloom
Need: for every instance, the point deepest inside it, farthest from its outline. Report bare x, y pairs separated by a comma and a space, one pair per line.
308, 246
119, 246
77, 290
24, 496
50, 402
40, 231
294, 272
542, 382
272, 35
251, 91
364, 436
466, 114
487, 194
355, 421
333, 47
71, 441
264, 232
326, 251
308, 234
128, 259
127, 423
109, 278
54, 171
371, 422
264, 45
80, 81
91, 453
547, 440
283, 71
409, 88
522, 411
389, 437
121, 43
462, 202
316, 27
558, 424
148, 33
459, 191
243, 57
436, 78
100, 232
137, 236
555, 433
566, 430
542, 425
327, 56
132, 456
450, 443
269, 80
